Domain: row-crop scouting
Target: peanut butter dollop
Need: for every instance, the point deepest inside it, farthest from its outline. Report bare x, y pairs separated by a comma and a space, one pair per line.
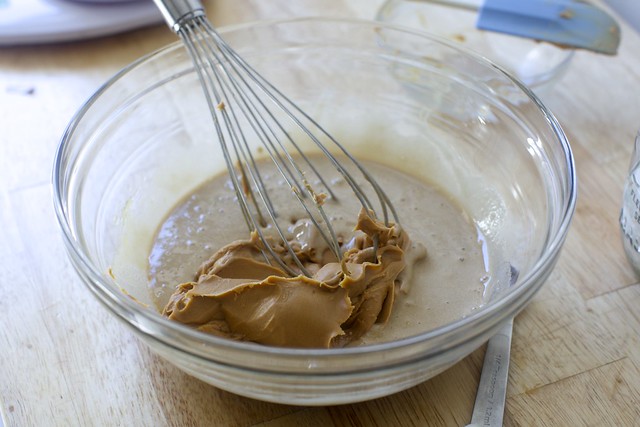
239, 295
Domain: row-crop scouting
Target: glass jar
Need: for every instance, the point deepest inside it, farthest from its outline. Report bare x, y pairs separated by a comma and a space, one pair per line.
538, 65
630, 212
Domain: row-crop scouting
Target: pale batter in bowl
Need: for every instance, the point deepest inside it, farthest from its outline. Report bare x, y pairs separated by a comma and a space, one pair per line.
238, 302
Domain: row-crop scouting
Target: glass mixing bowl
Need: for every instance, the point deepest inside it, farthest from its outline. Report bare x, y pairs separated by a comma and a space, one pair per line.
538, 64
144, 141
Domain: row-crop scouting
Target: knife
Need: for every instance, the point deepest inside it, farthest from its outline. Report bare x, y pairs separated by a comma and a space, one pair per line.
488, 410
569, 23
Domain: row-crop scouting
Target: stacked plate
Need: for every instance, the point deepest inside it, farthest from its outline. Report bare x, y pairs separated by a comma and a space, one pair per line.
52, 21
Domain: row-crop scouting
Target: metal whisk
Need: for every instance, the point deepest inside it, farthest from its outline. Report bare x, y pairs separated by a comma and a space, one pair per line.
246, 107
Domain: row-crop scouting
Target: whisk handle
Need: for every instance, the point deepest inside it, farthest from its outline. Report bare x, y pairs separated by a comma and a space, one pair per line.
176, 12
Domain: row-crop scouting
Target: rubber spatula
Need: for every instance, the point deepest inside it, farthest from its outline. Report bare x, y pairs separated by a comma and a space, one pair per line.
568, 23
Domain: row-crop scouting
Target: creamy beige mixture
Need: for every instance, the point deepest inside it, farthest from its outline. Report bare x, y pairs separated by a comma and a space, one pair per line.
243, 292
221, 283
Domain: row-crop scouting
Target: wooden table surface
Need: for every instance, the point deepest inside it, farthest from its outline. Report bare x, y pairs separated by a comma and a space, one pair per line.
66, 361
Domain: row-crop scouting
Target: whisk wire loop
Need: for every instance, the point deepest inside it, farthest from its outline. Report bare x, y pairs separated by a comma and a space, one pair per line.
280, 99
236, 94
207, 58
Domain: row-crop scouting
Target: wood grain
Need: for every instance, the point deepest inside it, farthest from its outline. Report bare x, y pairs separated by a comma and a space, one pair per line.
66, 361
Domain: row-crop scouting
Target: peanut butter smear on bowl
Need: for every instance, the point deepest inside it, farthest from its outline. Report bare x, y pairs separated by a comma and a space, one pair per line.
237, 294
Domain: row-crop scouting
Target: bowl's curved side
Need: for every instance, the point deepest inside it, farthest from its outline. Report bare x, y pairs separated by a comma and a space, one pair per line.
429, 89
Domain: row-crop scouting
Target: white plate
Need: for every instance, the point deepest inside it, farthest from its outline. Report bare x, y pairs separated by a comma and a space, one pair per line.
51, 21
